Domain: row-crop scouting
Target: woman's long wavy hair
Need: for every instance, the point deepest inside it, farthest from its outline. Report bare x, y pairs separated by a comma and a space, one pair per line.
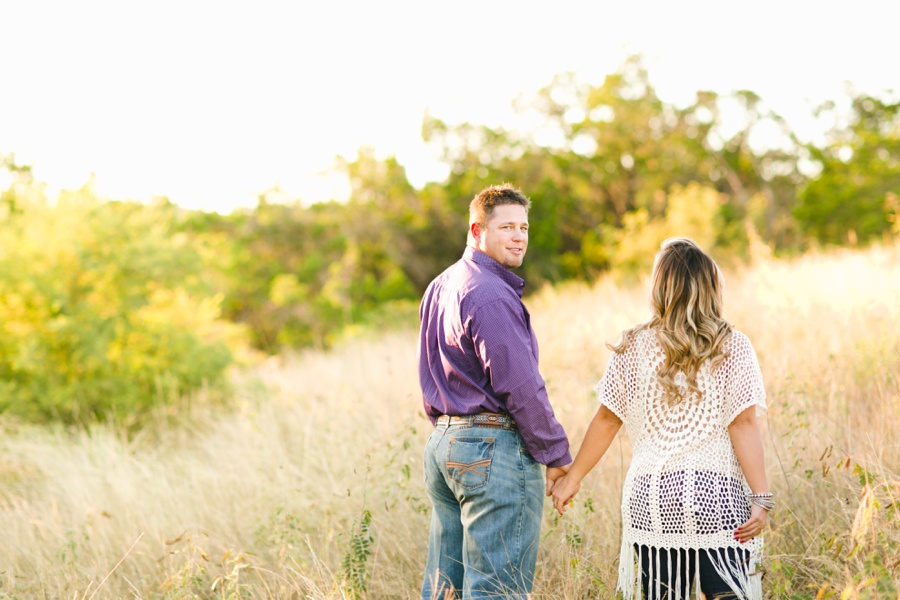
686, 301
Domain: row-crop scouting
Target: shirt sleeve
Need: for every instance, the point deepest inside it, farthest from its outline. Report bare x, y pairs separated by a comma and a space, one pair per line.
611, 389
505, 346
744, 383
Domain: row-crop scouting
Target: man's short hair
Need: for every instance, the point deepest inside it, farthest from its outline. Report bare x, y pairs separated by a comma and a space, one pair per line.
483, 204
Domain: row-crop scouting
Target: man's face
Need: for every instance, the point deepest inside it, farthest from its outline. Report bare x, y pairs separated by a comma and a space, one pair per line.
505, 237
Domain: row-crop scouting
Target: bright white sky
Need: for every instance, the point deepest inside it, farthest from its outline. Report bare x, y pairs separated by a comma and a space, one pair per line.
213, 102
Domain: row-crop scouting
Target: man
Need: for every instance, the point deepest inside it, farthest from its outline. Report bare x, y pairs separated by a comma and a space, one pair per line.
494, 426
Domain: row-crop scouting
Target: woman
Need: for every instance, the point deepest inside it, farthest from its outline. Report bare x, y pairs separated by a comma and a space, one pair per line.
687, 386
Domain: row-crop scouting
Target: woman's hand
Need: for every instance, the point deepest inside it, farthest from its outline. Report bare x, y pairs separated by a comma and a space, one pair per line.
564, 489
754, 525
599, 436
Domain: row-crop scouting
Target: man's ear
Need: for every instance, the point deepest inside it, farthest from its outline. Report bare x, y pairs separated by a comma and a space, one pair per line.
475, 232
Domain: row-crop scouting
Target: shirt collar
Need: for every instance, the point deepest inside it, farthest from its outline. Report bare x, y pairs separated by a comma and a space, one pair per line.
489, 264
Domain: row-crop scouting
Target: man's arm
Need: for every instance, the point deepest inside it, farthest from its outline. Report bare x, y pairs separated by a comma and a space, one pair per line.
504, 344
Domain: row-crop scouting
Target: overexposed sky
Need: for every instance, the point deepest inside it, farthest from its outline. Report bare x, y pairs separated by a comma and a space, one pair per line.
212, 103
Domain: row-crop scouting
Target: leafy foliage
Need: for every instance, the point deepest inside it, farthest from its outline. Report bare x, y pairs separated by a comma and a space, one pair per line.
296, 275
354, 564
103, 307
854, 196
611, 170
107, 308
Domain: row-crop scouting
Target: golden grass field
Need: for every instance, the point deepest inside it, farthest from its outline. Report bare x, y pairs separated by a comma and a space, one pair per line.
312, 488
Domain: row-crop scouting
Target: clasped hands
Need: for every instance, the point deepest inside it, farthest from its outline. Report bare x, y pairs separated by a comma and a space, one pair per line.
562, 487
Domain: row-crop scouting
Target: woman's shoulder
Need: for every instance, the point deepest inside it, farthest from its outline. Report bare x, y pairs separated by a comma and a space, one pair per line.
637, 339
643, 334
738, 346
738, 339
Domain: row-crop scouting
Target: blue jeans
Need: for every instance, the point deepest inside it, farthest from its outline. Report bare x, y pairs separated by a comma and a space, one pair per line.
487, 495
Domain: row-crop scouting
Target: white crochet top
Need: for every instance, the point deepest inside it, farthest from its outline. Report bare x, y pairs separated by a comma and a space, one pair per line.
684, 490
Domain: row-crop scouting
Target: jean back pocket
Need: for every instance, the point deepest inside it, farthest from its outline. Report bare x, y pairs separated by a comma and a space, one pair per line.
469, 461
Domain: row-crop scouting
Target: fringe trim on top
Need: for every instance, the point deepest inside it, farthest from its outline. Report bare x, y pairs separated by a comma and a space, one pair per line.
745, 580
628, 582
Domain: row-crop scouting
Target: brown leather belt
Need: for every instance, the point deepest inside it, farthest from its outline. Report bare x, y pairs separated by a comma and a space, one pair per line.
485, 419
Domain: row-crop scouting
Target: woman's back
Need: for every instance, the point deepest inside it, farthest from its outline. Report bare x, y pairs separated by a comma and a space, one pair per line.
631, 389
685, 385
684, 488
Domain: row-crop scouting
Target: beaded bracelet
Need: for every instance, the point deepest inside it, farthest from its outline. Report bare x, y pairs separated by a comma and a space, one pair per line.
765, 500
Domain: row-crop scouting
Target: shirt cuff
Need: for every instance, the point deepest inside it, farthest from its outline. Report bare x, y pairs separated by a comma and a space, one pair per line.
561, 461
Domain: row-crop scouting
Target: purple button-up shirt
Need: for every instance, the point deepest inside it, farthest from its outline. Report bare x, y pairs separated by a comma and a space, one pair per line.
478, 353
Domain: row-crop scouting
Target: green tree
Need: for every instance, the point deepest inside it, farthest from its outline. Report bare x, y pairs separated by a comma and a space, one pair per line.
22, 178
692, 211
850, 199
416, 231
604, 153
104, 310
272, 264
297, 275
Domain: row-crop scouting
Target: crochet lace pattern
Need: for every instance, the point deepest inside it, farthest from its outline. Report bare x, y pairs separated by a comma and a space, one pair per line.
684, 489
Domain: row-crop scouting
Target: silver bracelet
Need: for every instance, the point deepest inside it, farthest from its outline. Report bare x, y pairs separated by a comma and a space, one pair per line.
766, 500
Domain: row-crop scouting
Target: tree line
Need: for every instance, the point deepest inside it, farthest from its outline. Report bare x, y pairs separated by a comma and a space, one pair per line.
108, 308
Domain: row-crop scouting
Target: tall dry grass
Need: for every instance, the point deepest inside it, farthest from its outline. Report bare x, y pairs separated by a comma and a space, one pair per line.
312, 487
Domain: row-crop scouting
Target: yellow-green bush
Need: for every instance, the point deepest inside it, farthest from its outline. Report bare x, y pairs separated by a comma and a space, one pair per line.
691, 211
103, 309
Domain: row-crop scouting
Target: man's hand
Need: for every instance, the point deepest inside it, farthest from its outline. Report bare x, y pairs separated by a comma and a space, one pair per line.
554, 473
564, 490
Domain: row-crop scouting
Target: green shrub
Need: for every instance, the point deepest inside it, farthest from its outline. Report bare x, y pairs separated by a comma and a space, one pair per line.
691, 212
103, 309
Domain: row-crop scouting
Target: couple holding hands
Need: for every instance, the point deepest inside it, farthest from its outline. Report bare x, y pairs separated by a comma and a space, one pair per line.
686, 385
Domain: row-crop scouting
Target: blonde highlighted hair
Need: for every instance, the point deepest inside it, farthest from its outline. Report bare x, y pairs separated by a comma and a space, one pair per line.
686, 301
